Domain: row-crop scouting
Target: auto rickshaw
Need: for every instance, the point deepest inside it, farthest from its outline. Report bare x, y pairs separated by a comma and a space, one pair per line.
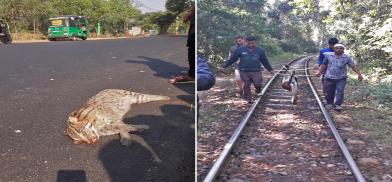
68, 27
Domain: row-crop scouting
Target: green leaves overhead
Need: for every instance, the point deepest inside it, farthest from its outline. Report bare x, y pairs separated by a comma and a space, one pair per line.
300, 26
112, 14
275, 27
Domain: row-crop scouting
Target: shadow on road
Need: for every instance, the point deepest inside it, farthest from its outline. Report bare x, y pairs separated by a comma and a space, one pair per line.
171, 137
162, 68
71, 175
166, 69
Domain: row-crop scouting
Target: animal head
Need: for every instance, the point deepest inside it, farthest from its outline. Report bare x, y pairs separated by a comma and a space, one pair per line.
81, 130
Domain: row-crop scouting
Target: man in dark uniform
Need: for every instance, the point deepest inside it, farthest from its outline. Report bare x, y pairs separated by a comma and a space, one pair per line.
251, 57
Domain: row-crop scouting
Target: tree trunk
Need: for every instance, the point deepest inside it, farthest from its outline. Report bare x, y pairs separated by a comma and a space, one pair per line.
126, 32
34, 26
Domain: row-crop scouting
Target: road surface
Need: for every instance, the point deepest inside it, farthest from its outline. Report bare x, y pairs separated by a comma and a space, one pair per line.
40, 83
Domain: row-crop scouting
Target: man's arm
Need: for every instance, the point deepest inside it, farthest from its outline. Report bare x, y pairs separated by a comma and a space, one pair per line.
320, 58
265, 62
323, 66
358, 72
355, 68
233, 58
321, 69
205, 79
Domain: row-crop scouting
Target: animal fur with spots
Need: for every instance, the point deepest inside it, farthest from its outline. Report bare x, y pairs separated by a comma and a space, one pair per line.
290, 83
103, 115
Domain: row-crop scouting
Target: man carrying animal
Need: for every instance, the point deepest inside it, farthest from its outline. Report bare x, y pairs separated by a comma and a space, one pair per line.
251, 57
335, 65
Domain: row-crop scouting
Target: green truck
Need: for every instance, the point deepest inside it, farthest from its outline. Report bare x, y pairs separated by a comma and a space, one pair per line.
68, 27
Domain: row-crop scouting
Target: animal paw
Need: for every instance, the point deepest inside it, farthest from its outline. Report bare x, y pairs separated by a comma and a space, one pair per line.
143, 127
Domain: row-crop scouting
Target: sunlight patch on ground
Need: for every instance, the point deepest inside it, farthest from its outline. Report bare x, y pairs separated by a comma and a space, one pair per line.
285, 118
312, 127
276, 136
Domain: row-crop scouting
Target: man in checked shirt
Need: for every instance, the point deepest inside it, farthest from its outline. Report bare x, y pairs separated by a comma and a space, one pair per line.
336, 75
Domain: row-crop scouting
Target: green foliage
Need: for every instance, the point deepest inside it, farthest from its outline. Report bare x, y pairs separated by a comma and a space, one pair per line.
375, 95
160, 20
177, 6
366, 28
276, 29
164, 20
181, 25
25, 15
168, 20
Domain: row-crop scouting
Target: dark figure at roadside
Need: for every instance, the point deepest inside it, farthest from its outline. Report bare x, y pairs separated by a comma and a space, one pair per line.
336, 75
330, 48
239, 41
251, 57
189, 17
205, 79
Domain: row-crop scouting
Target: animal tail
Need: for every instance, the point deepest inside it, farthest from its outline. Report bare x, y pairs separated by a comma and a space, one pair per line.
143, 98
142, 142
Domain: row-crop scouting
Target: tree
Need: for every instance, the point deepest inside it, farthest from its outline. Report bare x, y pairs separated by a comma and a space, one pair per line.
177, 6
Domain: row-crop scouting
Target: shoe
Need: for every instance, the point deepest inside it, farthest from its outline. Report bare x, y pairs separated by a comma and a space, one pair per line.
338, 108
329, 106
181, 79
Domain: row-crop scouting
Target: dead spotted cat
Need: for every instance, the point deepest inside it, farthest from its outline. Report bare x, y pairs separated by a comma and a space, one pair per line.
103, 115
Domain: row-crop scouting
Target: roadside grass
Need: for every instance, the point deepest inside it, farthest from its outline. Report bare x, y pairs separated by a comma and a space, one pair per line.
27, 36
374, 109
281, 58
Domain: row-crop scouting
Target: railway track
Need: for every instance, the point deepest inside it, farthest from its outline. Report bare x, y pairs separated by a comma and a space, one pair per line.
279, 141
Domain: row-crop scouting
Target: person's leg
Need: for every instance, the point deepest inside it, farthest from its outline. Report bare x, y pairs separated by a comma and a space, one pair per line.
239, 82
257, 79
340, 84
247, 83
331, 88
324, 84
191, 56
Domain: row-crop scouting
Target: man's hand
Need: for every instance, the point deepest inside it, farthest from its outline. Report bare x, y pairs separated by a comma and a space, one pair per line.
318, 73
360, 78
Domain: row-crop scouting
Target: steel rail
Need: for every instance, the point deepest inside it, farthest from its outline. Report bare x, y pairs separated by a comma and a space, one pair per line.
217, 167
354, 168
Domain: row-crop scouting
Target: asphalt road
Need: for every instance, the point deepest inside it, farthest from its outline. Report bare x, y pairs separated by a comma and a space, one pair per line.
40, 83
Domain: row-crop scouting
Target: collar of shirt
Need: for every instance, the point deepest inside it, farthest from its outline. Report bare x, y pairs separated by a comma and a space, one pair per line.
250, 50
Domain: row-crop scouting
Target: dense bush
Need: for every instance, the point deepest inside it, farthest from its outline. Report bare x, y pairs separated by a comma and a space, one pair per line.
276, 30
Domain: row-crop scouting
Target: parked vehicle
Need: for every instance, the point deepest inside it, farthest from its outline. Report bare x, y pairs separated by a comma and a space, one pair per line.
153, 32
5, 34
68, 27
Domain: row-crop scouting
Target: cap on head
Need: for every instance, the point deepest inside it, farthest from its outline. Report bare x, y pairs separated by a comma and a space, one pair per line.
340, 45
333, 41
251, 38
